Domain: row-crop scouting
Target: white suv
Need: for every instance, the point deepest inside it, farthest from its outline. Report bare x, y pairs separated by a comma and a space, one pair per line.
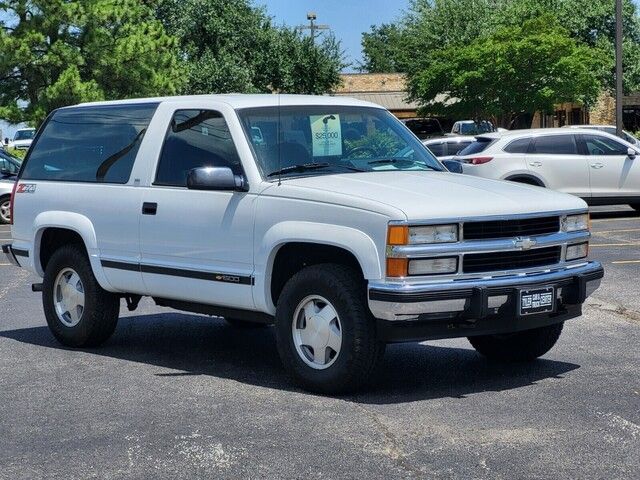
594, 165
322, 215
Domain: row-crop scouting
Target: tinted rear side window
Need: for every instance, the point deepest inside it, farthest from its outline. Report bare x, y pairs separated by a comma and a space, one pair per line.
555, 145
453, 148
480, 145
89, 144
437, 149
518, 146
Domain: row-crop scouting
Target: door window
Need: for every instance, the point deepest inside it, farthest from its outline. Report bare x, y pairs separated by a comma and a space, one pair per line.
196, 138
555, 145
597, 145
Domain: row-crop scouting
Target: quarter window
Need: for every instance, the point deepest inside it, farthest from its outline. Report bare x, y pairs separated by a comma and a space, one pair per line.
196, 138
597, 145
555, 145
89, 144
518, 146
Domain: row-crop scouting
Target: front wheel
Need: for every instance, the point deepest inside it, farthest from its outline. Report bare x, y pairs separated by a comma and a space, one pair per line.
79, 312
519, 346
325, 333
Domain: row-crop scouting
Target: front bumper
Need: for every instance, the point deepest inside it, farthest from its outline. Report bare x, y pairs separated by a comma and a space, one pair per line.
476, 306
12, 254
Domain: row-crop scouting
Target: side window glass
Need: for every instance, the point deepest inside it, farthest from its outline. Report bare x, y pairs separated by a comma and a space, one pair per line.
518, 146
597, 145
196, 138
555, 145
437, 149
453, 148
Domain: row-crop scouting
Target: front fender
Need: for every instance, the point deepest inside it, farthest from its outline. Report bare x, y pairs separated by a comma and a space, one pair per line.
354, 241
69, 221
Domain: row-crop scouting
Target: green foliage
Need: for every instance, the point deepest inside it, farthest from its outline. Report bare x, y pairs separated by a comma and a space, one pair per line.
514, 70
383, 49
231, 46
17, 153
59, 52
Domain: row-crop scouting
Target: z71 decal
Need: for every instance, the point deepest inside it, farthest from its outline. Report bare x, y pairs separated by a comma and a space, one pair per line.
26, 188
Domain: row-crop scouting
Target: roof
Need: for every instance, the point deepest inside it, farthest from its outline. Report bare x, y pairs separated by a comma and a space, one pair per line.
537, 132
388, 100
450, 139
237, 101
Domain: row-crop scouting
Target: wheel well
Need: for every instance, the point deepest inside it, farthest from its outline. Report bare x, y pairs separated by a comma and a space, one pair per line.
526, 179
54, 238
293, 257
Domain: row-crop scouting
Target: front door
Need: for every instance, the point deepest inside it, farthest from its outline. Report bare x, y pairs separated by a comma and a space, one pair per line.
197, 245
555, 159
612, 172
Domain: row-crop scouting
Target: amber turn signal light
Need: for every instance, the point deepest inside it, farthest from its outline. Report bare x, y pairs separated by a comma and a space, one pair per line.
398, 235
397, 267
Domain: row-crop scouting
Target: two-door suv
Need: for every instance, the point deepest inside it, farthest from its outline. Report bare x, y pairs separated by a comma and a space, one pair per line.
323, 215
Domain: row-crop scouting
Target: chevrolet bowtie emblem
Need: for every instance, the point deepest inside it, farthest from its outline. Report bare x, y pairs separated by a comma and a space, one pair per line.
524, 243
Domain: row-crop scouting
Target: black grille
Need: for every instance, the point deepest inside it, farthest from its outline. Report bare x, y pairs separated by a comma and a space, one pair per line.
511, 228
498, 261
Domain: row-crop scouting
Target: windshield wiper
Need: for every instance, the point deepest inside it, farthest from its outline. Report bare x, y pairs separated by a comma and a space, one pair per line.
386, 161
300, 167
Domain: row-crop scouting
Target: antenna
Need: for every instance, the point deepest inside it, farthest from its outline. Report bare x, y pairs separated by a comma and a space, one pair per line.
279, 145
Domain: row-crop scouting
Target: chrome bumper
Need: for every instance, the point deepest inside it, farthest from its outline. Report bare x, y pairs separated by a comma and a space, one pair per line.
477, 298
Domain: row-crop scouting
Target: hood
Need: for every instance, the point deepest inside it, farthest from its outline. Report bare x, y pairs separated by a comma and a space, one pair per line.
432, 195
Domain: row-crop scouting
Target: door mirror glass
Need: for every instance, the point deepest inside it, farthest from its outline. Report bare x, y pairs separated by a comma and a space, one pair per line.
453, 166
215, 178
631, 153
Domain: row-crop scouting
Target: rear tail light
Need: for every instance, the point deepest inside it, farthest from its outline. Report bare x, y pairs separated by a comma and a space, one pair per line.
479, 160
13, 198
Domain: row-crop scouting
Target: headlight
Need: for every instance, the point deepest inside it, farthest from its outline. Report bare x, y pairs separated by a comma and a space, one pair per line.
574, 252
433, 266
575, 223
423, 234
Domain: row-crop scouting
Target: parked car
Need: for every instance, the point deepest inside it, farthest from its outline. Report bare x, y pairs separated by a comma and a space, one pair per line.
9, 167
445, 148
609, 129
424, 127
471, 127
257, 208
22, 139
591, 164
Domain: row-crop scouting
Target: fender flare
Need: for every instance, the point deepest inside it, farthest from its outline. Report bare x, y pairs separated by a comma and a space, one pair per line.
77, 223
525, 175
358, 243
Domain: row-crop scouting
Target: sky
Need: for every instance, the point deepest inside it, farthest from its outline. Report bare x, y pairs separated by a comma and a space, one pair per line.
347, 18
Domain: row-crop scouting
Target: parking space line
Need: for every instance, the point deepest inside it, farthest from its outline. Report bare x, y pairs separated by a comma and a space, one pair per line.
593, 245
622, 219
623, 262
616, 231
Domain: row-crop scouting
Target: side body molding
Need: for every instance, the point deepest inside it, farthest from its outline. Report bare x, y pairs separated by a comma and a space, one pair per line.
69, 221
355, 241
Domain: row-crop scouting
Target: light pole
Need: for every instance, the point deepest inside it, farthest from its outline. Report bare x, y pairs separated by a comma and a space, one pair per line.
312, 27
619, 68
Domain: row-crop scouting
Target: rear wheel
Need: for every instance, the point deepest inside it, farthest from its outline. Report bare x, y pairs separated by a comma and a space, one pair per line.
519, 346
5, 210
325, 333
79, 312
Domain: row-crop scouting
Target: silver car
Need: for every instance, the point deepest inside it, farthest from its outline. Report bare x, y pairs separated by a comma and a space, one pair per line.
9, 167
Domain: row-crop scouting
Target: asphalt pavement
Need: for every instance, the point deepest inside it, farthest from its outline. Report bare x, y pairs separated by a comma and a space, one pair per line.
174, 395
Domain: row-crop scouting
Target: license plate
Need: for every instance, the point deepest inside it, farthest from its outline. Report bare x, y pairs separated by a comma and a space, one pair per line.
537, 300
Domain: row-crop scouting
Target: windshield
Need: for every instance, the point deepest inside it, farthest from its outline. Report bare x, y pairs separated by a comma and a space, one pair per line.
325, 139
24, 135
476, 128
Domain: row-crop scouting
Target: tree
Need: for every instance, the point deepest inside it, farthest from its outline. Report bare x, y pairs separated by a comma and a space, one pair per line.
520, 69
58, 52
231, 46
382, 49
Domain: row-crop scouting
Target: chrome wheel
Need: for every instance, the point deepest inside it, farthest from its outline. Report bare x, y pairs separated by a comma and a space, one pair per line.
68, 297
5, 211
317, 332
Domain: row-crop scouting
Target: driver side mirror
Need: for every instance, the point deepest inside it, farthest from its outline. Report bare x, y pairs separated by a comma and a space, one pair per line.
215, 178
631, 153
453, 166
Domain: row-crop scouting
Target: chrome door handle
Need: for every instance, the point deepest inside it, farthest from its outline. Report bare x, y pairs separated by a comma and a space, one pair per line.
535, 164
597, 165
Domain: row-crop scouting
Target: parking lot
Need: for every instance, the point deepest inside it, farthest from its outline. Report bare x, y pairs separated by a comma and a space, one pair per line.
175, 395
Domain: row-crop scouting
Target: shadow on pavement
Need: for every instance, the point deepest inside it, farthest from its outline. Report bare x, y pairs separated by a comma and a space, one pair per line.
621, 214
191, 345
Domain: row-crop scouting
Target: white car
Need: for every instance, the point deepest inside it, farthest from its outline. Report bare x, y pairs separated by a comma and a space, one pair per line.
9, 167
445, 148
594, 165
261, 209
609, 129
22, 139
471, 127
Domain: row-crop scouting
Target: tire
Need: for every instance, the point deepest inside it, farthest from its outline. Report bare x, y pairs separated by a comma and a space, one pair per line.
96, 321
5, 212
525, 181
247, 324
520, 346
349, 366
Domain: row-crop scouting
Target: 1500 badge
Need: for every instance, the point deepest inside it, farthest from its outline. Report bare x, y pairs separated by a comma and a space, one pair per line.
26, 188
